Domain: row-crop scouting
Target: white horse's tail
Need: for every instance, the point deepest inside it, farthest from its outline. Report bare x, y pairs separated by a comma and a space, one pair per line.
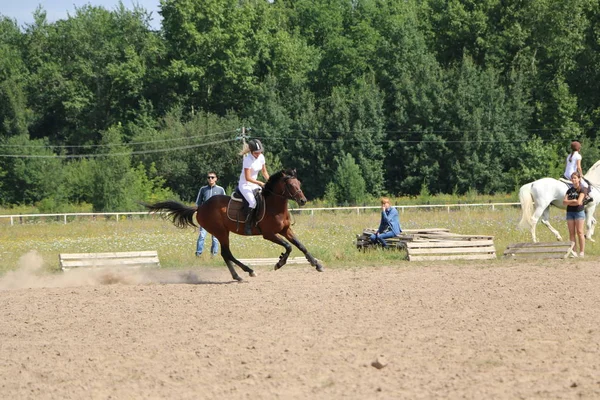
526, 199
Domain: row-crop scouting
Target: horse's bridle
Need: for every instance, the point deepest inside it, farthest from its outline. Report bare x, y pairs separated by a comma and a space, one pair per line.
287, 191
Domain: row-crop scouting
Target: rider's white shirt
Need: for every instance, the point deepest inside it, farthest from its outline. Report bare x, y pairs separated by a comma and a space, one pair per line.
246, 188
572, 164
255, 165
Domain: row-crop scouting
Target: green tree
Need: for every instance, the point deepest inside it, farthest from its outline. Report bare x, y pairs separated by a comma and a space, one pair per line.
208, 43
184, 151
15, 115
350, 185
88, 72
33, 173
353, 118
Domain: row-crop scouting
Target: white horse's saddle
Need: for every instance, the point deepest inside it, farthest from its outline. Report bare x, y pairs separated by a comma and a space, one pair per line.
565, 181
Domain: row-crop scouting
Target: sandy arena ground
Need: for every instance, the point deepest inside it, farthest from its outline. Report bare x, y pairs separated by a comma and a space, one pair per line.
498, 330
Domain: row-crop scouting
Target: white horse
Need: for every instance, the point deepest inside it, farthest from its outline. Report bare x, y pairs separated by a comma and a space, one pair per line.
544, 192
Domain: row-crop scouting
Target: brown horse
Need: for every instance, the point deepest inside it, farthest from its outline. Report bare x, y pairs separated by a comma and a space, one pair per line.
212, 216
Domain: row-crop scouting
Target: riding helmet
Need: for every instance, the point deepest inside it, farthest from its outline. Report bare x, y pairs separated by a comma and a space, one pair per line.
255, 145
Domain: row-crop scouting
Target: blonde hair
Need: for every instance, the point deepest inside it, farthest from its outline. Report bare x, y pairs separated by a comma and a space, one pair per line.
245, 149
385, 200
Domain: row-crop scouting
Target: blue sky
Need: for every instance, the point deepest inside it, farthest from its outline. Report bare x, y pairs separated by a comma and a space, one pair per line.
22, 10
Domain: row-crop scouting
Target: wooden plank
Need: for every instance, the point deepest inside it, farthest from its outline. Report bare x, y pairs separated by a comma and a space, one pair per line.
454, 236
426, 230
258, 260
105, 260
449, 243
540, 244
538, 250
70, 256
413, 238
453, 257
531, 256
456, 250
272, 261
451, 247
110, 262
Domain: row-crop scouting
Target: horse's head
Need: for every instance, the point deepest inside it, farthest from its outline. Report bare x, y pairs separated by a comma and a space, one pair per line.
286, 184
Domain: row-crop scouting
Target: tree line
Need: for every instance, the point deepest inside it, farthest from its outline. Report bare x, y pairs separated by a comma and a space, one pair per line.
362, 97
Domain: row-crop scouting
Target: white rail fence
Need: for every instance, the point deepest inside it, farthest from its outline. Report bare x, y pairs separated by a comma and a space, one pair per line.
21, 218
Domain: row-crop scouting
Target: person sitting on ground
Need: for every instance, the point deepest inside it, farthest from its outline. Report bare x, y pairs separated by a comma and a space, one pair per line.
389, 225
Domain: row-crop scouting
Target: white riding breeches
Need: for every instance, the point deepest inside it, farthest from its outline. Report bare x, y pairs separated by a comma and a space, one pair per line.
247, 191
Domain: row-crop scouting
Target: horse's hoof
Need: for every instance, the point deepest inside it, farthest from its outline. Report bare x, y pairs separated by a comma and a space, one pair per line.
277, 266
319, 268
238, 278
253, 274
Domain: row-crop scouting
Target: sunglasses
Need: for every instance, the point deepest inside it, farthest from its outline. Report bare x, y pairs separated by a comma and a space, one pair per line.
211, 177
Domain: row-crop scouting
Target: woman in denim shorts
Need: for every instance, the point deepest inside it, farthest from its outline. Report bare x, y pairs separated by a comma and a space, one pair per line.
575, 214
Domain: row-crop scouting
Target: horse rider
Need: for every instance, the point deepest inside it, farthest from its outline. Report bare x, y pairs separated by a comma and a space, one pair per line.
253, 163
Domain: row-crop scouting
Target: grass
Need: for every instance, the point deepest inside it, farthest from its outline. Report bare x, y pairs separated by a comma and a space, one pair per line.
329, 236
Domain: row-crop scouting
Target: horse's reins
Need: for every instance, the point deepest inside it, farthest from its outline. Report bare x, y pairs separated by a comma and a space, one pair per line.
291, 196
287, 191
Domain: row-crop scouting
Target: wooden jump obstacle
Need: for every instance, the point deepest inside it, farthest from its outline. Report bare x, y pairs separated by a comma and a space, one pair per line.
436, 244
273, 261
538, 250
363, 240
451, 246
103, 260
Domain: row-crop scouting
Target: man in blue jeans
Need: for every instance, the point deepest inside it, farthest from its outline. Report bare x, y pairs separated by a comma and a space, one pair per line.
205, 193
389, 225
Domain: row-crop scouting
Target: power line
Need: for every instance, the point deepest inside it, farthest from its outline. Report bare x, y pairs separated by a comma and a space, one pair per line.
117, 154
265, 138
114, 144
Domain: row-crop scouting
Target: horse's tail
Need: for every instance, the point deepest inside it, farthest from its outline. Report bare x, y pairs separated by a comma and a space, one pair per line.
526, 199
180, 214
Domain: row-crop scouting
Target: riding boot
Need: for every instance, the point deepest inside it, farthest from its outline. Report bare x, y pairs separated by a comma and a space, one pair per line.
249, 222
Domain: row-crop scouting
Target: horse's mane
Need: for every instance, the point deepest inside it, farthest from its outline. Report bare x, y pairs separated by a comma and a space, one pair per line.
275, 178
593, 174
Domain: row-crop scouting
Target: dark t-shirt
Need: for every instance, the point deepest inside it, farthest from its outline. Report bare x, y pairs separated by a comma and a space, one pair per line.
573, 194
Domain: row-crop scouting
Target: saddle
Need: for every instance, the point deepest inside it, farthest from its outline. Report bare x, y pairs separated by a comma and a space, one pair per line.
565, 181
238, 210
569, 183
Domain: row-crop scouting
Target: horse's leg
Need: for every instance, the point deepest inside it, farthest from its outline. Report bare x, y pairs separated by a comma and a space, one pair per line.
218, 228
243, 266
289, 235
590, 221
533, 222
546, 221
288, 248
229, 259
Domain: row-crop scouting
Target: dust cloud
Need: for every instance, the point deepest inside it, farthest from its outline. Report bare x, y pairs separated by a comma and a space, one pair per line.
32, 272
